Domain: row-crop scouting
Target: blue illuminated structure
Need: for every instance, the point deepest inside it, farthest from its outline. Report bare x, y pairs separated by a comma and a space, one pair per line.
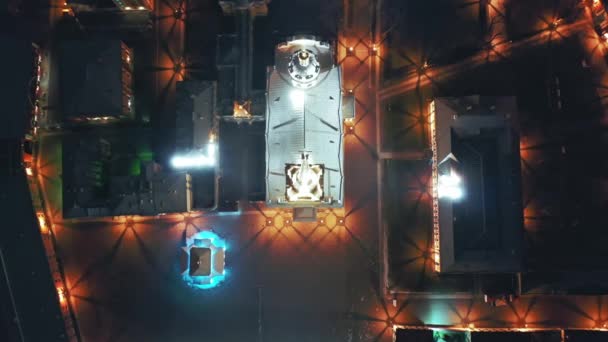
204, 267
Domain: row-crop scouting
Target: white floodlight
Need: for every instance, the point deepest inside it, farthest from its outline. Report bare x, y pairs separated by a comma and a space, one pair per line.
450, 186
197, 159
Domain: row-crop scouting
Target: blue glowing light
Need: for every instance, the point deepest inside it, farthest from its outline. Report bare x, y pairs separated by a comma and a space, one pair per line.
218, 272
238, 212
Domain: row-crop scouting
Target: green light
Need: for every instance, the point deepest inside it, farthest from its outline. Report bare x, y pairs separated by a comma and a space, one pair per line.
135, 167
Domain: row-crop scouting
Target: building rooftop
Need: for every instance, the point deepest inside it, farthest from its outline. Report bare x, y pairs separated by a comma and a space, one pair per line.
257, 7
103, 177
200, 261
157, 192
304, 126
205, 254
195, 114
243, 170
107, 19
95, 80
480, 230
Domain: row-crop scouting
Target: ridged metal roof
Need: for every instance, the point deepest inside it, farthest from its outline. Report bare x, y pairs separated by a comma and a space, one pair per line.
304, 121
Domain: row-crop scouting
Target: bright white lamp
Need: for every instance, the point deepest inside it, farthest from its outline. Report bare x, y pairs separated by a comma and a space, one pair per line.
196, 160
450, 186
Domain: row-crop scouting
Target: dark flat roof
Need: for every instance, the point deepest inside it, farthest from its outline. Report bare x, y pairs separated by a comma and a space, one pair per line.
515, 336
482, 231
586, 336
242, 149
405, 335
200, 261
91, 78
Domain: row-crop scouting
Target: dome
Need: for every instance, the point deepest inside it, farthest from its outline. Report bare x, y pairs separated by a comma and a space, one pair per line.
303, 68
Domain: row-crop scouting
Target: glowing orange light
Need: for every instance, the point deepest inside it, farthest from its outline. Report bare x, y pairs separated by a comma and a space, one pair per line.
241, 110
553, 26
435, 191
61, 295
375, 50
350, 124
42, 222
